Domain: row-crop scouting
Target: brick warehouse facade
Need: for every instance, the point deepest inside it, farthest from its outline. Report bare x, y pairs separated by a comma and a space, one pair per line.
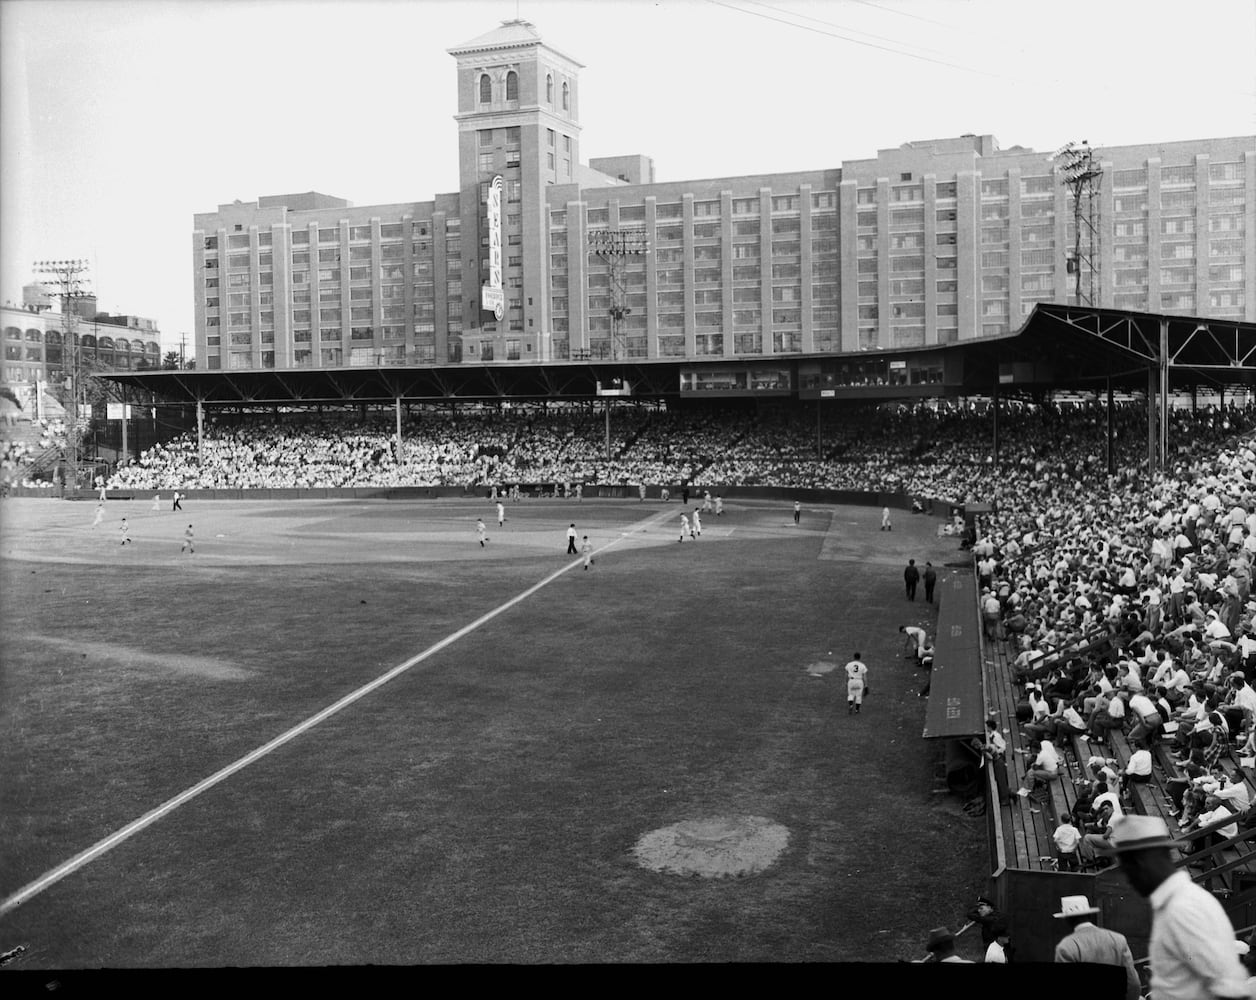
927, 244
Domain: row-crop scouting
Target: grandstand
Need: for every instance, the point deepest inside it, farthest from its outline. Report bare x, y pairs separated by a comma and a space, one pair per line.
1065, 496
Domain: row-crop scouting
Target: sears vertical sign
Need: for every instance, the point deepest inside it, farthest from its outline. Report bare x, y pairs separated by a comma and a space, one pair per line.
492, 298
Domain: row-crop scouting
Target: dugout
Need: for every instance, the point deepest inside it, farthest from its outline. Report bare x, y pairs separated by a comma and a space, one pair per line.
955, 713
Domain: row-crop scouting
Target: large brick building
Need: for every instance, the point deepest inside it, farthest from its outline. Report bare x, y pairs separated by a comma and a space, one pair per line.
926, 244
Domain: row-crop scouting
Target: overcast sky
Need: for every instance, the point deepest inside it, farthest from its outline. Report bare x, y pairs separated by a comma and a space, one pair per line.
120, 119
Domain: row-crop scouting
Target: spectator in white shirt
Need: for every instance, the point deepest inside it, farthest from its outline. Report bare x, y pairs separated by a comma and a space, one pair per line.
1137, 768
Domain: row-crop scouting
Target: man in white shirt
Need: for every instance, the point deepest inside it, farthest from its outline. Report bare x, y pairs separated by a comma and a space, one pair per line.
1177, 594
1145, 716
1242, 700
1216, 628
1192, 948
1178, 685
996, 745
1137, 768
1234, 793
1067, 840
1109, 716
1247, 642
1046, 767
991, 610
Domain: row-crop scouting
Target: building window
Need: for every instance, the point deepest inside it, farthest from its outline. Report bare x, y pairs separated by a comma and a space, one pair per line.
486, 89
566, 98
512, 86
549, 89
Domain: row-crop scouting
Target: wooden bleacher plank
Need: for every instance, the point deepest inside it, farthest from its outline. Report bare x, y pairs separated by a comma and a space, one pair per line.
1033, 818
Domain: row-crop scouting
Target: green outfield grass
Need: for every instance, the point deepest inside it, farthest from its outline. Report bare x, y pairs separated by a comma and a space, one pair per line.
481, 806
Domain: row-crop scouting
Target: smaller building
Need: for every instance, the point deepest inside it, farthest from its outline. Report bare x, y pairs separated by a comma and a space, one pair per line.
37, 348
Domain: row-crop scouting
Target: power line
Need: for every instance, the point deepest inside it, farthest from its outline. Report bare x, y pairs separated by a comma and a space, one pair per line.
903, 13
832, 24
847, 38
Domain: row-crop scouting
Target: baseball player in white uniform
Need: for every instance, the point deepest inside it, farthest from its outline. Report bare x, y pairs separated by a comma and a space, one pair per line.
856, 684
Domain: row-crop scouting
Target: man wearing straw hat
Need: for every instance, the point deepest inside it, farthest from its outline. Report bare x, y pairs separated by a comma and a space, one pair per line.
1192, 950
1087, 942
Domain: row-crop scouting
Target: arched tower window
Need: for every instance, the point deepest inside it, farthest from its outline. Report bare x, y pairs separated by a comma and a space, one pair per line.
549, 89
512, 86
486, 89
566, 102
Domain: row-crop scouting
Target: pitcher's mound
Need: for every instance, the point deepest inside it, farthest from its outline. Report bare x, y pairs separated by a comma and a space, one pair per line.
715, 847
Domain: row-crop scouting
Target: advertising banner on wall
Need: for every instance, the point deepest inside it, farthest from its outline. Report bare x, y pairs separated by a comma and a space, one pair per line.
492, 298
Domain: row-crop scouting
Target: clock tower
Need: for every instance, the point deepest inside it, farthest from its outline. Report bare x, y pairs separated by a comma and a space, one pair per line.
518, 101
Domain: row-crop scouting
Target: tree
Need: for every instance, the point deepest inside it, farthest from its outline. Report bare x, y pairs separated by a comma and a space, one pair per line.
171, 361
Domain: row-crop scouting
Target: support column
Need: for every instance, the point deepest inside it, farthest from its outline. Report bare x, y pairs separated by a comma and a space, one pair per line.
1111, 462
994, 398
200, 431
1164, 393
819, 434
608, 428
1151, 418
397, 407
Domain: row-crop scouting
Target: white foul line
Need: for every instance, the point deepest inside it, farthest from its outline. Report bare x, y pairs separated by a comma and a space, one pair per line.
148, 819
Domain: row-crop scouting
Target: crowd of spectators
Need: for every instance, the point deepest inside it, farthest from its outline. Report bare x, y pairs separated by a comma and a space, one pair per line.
942, 452
1128, 600
25, 443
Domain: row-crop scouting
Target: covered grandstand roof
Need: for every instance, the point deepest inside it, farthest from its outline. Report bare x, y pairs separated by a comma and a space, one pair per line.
1078, 347
1057, 347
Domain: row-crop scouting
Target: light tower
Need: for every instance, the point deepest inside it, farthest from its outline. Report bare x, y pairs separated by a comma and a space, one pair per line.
1080, 172
69, 278
614, 247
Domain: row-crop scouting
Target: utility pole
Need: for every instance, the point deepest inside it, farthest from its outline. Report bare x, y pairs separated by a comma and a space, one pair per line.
1081, 174
183, 346
69, 277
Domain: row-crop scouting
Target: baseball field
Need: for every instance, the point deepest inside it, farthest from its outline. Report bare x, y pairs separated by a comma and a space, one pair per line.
346, 733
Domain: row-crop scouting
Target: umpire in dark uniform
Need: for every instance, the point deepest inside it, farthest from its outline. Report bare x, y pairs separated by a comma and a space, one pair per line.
931, 578
911, 575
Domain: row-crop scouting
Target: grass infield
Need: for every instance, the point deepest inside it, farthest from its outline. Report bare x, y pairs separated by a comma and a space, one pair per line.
483, 805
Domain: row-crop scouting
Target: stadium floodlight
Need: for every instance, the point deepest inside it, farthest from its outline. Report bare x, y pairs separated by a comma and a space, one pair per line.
69, 277
1078, 169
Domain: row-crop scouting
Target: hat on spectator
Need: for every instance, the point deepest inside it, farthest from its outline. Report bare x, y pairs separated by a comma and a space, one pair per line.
1075, 906
938, 937
1137, 833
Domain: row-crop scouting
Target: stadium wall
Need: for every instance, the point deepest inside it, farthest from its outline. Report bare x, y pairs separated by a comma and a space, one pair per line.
851, 498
